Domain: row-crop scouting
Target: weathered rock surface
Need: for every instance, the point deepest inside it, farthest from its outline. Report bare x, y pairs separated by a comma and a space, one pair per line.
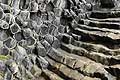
59, 40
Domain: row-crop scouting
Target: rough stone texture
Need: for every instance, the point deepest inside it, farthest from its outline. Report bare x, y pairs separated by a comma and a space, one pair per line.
59, 40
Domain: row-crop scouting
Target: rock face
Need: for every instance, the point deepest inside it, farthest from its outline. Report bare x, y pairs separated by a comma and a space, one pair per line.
59, 40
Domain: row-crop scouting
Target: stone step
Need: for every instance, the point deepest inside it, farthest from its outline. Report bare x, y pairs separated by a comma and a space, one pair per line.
64, 71
108, 39
104, 14
114, 70
98, 57
96, 48
82, 64
52, 75
108, 35
91, 46
115, 20
93, 28
109, 25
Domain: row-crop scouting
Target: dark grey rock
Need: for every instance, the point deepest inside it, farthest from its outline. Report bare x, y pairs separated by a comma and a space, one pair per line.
49, 38
4, 51
24, 15
4, 24
41, 49
51, 29
18, 36
44, 16
42, 62
2, 66
42, 7
27, 63
10, 43
31, 41
22, 43
46, 45
27, 32
61, 29
33, 6
15, 28
56, 43
44, 29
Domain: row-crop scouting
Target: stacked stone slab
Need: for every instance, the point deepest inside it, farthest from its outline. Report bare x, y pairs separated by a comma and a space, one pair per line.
59, 40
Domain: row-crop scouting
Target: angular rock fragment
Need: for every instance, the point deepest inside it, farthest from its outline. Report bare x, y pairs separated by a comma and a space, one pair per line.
51, 16
27, 63
52, 29
4, 51
33, 6
24, 15
22, 43
36, 71
44, 16
42, 62
12, 66
49, 38
10, 43
30, 41
27, 33
3, 35
18, 36
41, 49
4, 24
42, 7
15, 28
44, 29
46, 45
56, 43
9, 18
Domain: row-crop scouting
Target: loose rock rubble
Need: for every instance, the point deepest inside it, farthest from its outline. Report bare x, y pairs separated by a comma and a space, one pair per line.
59, 40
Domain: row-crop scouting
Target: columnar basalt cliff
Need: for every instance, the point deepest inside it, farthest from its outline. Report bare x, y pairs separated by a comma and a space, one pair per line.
59, 40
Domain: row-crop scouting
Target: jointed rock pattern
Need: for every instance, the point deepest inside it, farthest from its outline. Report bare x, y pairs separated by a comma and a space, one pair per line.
59, 40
